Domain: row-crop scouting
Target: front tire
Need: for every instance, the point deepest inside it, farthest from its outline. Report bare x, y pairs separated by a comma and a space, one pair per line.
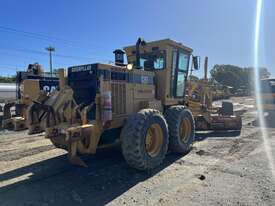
145, 139
181, 129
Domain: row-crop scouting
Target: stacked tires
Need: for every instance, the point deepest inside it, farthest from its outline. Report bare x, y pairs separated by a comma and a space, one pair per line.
148, 135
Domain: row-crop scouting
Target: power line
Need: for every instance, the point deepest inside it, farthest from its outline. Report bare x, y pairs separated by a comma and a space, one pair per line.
73, 60
13, 65
26, 58
24, 51
49, 38
12, 54
45, 53
13, 69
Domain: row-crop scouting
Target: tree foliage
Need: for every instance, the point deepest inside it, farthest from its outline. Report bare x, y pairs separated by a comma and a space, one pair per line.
4, 79
236, 77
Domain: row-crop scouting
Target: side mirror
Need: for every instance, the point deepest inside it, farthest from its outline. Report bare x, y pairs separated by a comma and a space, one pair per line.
196, 62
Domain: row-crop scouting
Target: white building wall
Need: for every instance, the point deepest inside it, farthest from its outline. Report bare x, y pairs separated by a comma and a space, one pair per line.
7, 92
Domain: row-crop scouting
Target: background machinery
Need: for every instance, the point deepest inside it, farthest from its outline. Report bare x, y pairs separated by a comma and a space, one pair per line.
200, 102
268, 100
268, 95
28, 86
142, 105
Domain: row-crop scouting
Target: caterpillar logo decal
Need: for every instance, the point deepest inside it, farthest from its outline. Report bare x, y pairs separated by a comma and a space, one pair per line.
49, 88
48, 85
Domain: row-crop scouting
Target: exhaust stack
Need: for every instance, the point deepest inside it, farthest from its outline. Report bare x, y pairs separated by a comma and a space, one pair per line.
140, 42
119, 57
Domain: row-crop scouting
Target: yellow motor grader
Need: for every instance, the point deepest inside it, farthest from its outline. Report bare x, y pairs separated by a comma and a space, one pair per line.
28, 86
200, 102
142, 105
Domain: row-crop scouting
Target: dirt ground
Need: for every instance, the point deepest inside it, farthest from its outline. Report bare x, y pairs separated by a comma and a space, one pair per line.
225, 168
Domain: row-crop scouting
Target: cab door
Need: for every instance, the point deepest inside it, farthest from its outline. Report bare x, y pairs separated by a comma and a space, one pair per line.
179, 73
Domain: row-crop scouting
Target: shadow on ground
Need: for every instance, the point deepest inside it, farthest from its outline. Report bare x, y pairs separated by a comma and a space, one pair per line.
200, 136
56, 182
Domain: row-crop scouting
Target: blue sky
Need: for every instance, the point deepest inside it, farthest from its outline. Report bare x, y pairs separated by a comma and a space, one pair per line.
88, 31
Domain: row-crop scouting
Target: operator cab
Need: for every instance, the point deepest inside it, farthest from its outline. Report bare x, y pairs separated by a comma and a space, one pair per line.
169, 60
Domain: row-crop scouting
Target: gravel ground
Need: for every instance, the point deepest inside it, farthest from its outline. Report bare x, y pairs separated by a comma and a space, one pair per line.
222, 169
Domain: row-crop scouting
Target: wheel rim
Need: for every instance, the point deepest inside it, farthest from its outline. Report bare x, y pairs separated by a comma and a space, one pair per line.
153, 140
185, 130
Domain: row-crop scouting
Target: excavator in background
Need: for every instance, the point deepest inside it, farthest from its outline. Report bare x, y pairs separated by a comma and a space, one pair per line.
28, 86
143, 105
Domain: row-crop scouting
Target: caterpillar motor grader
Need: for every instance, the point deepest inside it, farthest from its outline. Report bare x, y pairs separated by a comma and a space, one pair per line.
142, 105
200, 102
28, 86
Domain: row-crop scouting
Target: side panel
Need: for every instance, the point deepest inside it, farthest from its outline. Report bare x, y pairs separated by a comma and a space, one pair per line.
128, 88
83, 81
144, 91
127, 95
118, 98
29, 91
30, 88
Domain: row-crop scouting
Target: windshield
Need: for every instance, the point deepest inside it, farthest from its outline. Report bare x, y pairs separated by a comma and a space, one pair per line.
158, 59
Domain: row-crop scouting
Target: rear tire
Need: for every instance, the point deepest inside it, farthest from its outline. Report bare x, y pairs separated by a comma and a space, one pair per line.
145, 139
181, 129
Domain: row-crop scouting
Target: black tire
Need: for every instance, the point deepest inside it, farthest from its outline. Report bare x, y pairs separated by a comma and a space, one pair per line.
227, 108
175, 116
133, 136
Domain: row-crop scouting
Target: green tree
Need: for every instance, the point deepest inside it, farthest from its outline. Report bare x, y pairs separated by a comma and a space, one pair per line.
237, 77
4, 79
228, 75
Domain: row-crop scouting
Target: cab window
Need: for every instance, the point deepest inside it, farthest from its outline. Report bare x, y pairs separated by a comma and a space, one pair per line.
158, 59
183, 61
159, 63
182, 73
180, 84
173, 73
180, 64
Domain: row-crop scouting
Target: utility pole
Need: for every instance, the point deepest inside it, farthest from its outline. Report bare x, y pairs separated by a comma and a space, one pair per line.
50, 50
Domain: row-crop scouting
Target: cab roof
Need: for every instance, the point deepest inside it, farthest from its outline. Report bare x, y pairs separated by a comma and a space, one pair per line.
169, 42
